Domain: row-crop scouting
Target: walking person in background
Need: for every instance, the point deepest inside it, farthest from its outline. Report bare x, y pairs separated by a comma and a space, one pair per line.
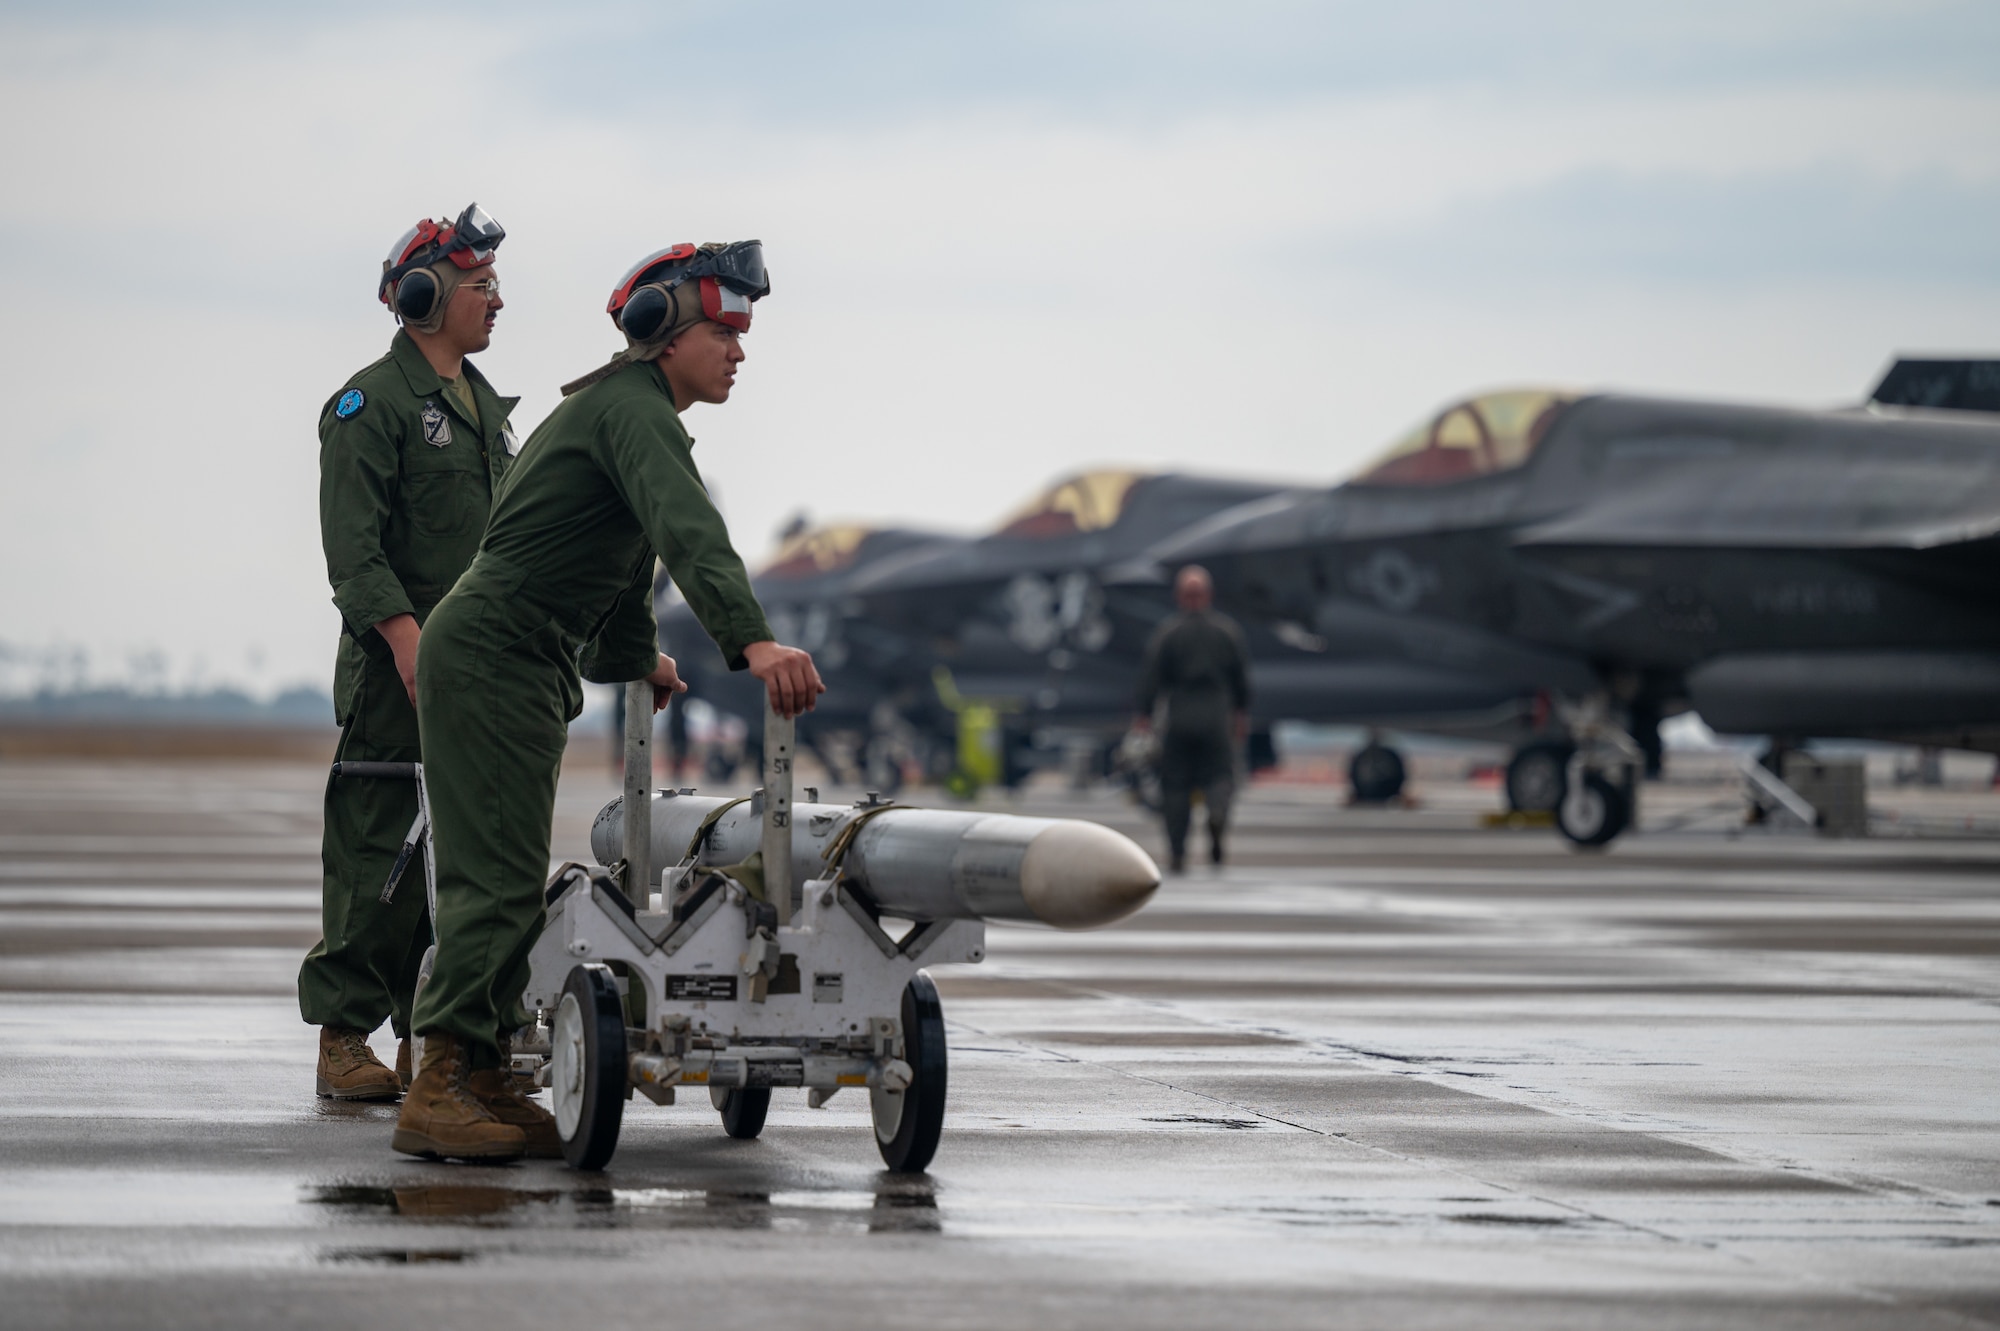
1195, 688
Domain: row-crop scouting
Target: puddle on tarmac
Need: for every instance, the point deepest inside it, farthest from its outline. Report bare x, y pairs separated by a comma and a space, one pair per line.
1191, 1039
892, 1205
1197, 1120
398, 1256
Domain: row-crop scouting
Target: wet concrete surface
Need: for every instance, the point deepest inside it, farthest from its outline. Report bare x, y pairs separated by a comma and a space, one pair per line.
1386, 1070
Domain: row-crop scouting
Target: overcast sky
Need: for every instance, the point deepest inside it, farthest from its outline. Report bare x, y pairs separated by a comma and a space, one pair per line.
1007, 241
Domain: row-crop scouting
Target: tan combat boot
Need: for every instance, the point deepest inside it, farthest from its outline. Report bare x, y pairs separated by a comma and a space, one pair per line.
349, 1070
403, 1069
441, 1115
496, 1090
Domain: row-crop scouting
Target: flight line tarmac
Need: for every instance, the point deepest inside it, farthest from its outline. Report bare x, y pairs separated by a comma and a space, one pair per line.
1387, 1069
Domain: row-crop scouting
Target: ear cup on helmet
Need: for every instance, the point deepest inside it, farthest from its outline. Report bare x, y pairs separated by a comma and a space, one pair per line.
417, 295
649, 312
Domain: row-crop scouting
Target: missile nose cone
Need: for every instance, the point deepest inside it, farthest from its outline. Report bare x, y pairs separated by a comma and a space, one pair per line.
1078, 875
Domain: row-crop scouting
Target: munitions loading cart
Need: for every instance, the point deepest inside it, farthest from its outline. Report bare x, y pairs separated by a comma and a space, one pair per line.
762, 961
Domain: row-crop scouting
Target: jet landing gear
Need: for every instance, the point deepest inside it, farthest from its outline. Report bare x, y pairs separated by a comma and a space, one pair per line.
1375, 773
1538, 777
1594, 810
1600, 793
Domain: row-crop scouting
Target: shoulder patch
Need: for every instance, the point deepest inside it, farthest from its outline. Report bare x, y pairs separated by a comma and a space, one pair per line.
350, 404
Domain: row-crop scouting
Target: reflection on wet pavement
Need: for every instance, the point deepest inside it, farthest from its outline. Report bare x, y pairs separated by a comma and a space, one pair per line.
894, 1205
397, 1256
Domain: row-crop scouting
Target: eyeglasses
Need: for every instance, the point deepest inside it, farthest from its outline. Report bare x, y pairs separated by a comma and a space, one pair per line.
488, 288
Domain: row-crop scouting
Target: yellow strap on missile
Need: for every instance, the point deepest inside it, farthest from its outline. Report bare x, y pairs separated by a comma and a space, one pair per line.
708, 825
836, 849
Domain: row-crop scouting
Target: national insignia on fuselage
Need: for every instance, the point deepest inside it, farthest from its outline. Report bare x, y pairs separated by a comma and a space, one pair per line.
437, 430
350, 404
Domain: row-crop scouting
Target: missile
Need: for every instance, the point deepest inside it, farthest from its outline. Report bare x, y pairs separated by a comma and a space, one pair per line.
919, 864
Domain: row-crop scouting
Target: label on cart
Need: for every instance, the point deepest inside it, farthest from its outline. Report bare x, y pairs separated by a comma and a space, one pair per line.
826, 988
701, 988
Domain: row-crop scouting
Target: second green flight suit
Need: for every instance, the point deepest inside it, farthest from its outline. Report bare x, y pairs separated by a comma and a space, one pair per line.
562, 585
407, 471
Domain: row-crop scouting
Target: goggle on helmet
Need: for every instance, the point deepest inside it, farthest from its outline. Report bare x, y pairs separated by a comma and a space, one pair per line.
647, 300
468, 242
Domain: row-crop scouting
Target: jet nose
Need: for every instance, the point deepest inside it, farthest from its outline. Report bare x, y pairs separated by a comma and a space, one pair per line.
1078, 875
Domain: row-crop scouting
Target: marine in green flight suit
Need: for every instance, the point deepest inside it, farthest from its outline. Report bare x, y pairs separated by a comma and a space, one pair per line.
411, 449
561, 591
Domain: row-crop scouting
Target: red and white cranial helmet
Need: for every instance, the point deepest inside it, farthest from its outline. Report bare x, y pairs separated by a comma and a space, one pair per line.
673, 289
466, 243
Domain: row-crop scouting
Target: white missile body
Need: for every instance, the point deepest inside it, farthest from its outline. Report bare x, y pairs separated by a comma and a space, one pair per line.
919, 864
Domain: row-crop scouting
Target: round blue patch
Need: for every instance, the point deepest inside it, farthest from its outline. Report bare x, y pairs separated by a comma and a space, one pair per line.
352, 401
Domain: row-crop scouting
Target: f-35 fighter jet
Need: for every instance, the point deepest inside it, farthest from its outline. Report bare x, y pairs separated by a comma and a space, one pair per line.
1031, 624
1038, 620
1591, 563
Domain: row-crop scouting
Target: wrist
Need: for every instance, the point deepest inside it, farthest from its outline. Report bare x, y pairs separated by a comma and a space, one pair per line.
399, 631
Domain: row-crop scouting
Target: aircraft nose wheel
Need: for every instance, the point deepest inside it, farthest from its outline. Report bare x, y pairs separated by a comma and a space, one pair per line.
909, 1122
1593, 811
587, 1066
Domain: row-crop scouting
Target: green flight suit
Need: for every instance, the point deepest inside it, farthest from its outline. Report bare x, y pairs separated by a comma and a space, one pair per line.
562, 586
406, 479
1199, 667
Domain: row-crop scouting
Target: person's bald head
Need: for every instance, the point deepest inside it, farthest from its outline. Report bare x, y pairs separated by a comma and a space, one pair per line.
1192, 588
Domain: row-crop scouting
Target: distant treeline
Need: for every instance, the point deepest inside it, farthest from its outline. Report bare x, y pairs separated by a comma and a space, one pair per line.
219, 706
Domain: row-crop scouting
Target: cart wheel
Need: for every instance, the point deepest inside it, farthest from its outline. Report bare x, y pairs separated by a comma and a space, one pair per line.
742, 1110
587, 1076
908, 1123
424, 968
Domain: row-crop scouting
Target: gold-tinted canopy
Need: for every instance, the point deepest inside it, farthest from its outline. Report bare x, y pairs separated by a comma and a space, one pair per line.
1089, 501
817, 550
1475, 437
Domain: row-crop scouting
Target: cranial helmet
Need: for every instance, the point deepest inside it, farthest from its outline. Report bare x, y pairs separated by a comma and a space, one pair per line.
425, 266
672, 290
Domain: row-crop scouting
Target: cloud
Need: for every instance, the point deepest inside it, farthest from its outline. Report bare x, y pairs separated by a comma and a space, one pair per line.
870, 64
1779, 228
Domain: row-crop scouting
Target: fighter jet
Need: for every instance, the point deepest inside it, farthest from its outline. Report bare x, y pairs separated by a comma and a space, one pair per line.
1587, 564
1037, 620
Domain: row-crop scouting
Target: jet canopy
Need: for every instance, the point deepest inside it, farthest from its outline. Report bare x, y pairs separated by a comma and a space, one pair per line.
816, 550
1476, 437
1090, 501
